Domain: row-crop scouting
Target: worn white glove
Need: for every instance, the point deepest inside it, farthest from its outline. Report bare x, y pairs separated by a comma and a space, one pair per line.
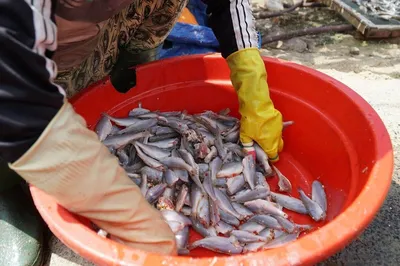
69, 163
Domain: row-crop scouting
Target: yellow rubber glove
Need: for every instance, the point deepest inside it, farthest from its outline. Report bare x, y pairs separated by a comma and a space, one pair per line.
260, 121
69, 163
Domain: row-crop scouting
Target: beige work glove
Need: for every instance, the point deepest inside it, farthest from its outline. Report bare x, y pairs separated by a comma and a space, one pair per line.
69, 163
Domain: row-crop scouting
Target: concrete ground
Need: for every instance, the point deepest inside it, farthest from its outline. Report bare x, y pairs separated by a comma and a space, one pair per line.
374, 74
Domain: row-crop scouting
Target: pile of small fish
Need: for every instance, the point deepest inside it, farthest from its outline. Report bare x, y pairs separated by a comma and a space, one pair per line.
386, 9
192, 169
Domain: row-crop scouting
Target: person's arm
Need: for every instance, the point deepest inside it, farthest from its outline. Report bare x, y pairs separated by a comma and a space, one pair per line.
234, 27
50, 146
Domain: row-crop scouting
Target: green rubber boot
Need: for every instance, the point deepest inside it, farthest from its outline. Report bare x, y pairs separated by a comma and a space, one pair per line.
21, 226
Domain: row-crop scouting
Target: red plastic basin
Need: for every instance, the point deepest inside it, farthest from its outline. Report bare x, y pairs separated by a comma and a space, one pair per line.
337, 137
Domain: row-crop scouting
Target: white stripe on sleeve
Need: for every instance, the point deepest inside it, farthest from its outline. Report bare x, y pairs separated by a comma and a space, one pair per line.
45, 35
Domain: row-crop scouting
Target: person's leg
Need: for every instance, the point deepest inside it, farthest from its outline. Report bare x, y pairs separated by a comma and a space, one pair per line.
144, 44
21, 227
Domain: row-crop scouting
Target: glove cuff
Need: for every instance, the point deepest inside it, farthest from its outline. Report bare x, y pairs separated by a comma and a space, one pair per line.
69, 163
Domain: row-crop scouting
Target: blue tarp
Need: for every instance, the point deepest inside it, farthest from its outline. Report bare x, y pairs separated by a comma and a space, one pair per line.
186, 39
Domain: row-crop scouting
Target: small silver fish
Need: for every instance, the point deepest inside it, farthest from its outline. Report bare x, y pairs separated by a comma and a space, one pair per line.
199, 228
186, 210
139, 126
195, 197
232, 136
164, 131
170, 177
252, 227
143, 185
123, 157
208, 138
188, 199
177, 163
175, 124
287, 225
225, 111
165, 144
214, 213
279, 233
203, 210
149, 160
266, 220
264, 207
152, 151
201, 150
268, 233
182, 238
249, 170
124, 122
209, 123
284, 183
160, 138
262, 158
182, 175
318, 195
153, 175
153, 115
249, 195
171, 113
235, 148
208, 187
180, 201
289, 203
227, 218
313, 208
281, 241
230, 170
234, 184
253, 247
185, 155
171, 215
103, 128
260, 180
215, 167
247, 237
138, 111
175, 226
137, 179
256, 246
114, 130
221, 183
166, 201
221, 149
195, 171
155, 192
135, 168
225, 204
211, 155
242, 210
119, 141
219, 244
223, 228
203, 169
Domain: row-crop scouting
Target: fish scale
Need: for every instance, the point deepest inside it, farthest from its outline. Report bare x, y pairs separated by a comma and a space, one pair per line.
191, 168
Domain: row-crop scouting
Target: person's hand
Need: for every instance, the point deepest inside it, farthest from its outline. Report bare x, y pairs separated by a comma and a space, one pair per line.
69, 163
260, 121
